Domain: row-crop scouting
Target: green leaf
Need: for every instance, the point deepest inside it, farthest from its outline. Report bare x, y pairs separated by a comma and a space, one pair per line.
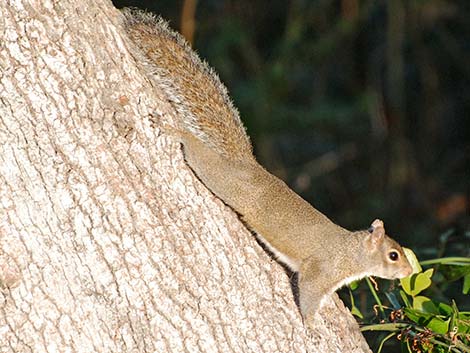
353, 285
354, 309
406, 284
431, 321
423, 281
463, 324
466, 284
444, 309
438, 325
413, 260
454, 272
405, 299
417, 282
425, 304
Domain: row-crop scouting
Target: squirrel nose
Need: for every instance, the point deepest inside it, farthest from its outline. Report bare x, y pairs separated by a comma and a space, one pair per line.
408, 271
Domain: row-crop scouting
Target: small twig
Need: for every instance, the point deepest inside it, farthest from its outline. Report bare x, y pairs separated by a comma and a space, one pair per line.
376, 297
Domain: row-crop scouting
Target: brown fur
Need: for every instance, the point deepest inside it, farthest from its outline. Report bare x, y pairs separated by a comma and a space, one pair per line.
218, 150
198, 93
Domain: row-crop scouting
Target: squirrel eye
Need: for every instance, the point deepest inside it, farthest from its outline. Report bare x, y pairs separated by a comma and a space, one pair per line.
393, 255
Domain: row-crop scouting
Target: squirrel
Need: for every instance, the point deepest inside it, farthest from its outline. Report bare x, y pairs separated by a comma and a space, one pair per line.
218, 150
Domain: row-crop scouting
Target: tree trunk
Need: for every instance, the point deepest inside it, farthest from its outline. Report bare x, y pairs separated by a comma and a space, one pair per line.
108, 242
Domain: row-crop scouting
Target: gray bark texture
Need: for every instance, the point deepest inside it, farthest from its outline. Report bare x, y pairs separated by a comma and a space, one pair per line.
108, 242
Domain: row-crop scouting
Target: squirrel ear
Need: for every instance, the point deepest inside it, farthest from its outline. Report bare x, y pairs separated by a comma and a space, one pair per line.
377, 223
377, 231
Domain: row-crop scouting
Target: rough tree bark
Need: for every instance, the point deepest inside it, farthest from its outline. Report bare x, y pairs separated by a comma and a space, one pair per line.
108, 243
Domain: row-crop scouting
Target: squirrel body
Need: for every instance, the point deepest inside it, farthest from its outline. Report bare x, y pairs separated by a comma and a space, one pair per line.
218, 150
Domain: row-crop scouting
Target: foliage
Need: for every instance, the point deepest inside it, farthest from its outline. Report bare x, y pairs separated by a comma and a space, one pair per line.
423, 324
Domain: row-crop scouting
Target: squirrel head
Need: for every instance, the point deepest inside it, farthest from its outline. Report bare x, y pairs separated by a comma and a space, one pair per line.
386, 257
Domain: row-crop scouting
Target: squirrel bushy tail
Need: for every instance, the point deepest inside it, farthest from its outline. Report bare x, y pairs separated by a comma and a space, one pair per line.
192, 87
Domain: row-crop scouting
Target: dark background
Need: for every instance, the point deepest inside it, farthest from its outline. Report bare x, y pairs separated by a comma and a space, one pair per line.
361, 106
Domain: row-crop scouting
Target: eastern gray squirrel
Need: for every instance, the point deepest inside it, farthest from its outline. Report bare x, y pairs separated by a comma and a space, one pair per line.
218, 150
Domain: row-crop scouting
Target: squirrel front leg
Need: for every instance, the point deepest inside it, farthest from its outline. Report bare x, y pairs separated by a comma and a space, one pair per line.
313, 287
